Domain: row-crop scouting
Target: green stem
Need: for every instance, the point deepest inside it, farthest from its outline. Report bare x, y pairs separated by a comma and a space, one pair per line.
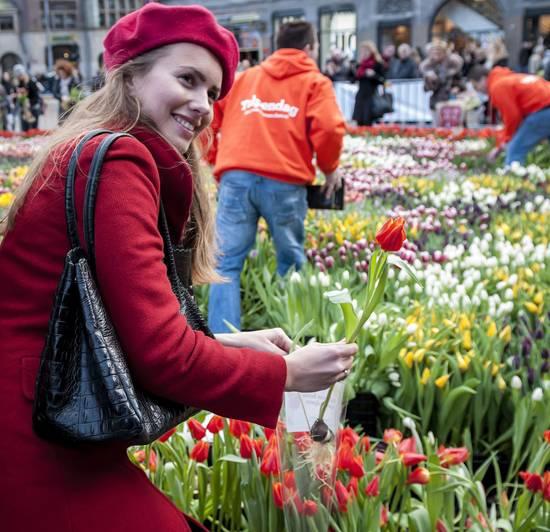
325, 402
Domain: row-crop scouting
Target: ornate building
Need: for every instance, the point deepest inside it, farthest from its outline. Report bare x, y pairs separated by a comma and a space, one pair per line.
36, 32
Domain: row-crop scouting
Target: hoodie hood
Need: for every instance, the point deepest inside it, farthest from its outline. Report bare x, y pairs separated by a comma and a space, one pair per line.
497, 74
287, 62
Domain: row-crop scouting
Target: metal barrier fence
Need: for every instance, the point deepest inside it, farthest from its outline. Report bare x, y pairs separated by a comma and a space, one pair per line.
411, 103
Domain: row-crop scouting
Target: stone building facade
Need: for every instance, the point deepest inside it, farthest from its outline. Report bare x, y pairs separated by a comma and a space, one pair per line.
77, 27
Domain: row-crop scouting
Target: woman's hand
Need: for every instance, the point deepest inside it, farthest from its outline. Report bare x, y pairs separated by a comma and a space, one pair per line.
317, 366
269, 340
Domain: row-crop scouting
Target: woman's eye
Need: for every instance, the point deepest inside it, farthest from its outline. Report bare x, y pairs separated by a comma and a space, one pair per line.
186, 78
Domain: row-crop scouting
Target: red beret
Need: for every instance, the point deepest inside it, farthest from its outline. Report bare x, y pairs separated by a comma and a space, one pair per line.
155, 25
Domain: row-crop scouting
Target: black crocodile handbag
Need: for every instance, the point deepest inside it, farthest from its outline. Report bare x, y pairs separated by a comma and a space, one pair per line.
84, 389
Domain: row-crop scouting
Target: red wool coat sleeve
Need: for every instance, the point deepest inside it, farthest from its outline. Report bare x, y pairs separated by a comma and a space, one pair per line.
165, 355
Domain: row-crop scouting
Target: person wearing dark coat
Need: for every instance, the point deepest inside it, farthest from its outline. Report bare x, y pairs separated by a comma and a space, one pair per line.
28, 97
404, 66
167, 65
369, 74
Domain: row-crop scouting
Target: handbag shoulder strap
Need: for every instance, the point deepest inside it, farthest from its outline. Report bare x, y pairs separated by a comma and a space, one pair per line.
169, 256
91, 191
70, 210
89, 211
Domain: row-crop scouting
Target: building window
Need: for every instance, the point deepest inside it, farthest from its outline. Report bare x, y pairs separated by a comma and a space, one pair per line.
111, 10
338, 29
63, 14
7, 23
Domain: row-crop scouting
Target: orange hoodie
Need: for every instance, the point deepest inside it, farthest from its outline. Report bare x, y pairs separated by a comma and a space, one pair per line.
516, 96
277, 116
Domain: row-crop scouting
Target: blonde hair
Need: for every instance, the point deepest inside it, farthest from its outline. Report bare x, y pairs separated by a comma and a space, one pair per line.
114, 107
372, 48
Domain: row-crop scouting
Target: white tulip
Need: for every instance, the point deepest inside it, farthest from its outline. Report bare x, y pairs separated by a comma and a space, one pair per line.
538, 394
515, 383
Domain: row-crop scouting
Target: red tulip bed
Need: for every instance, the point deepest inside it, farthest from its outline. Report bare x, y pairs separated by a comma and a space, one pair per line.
447, 425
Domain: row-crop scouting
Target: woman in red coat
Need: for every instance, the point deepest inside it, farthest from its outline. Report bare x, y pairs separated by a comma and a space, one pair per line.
166, 66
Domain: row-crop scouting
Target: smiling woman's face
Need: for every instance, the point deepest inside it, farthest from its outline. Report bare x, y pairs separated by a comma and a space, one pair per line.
179, 91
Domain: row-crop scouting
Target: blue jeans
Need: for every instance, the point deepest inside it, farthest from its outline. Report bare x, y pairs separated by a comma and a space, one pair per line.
243, 197
533, 129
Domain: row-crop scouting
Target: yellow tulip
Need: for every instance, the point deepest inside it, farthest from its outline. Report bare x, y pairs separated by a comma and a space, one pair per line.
448, 323
531, 307
464, 323
442, 381
535, 267
425, 376
494, 369
492, 330
539, 298
429, 343
403, 352
467, 340
463, 362
6, 199
501, 384
409, 359
506, 334
419, 355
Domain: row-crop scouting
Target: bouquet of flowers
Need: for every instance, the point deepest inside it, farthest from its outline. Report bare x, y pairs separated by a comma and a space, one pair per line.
308, 442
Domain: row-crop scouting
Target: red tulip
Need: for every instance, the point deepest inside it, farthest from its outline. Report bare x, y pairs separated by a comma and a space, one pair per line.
167, 435
344, 457
384, 516
268, 433
449, 456
238, 427
309, 508
199, 453
289, 480
546, 436
372, 489
353, 486
278, 494
258, 446
440, 526
270, 462
392, 436
215, 424
365, 443
347, 435
139, 456
546, 488
246, 446
326, 495
197, 430
533, 481
391, 235
356, 468
419, 476
410, 459
342, 496
408, 445
152, 460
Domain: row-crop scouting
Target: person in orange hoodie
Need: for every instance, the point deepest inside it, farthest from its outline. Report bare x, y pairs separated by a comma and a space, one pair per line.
524, 105
277, 118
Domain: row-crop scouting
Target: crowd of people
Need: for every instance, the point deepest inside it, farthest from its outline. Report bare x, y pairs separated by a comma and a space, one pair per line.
444, 68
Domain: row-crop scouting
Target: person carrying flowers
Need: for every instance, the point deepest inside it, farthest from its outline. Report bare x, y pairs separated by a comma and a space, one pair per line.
166, 65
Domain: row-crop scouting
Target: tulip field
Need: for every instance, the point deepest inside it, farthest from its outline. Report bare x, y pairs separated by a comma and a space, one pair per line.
448, 417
